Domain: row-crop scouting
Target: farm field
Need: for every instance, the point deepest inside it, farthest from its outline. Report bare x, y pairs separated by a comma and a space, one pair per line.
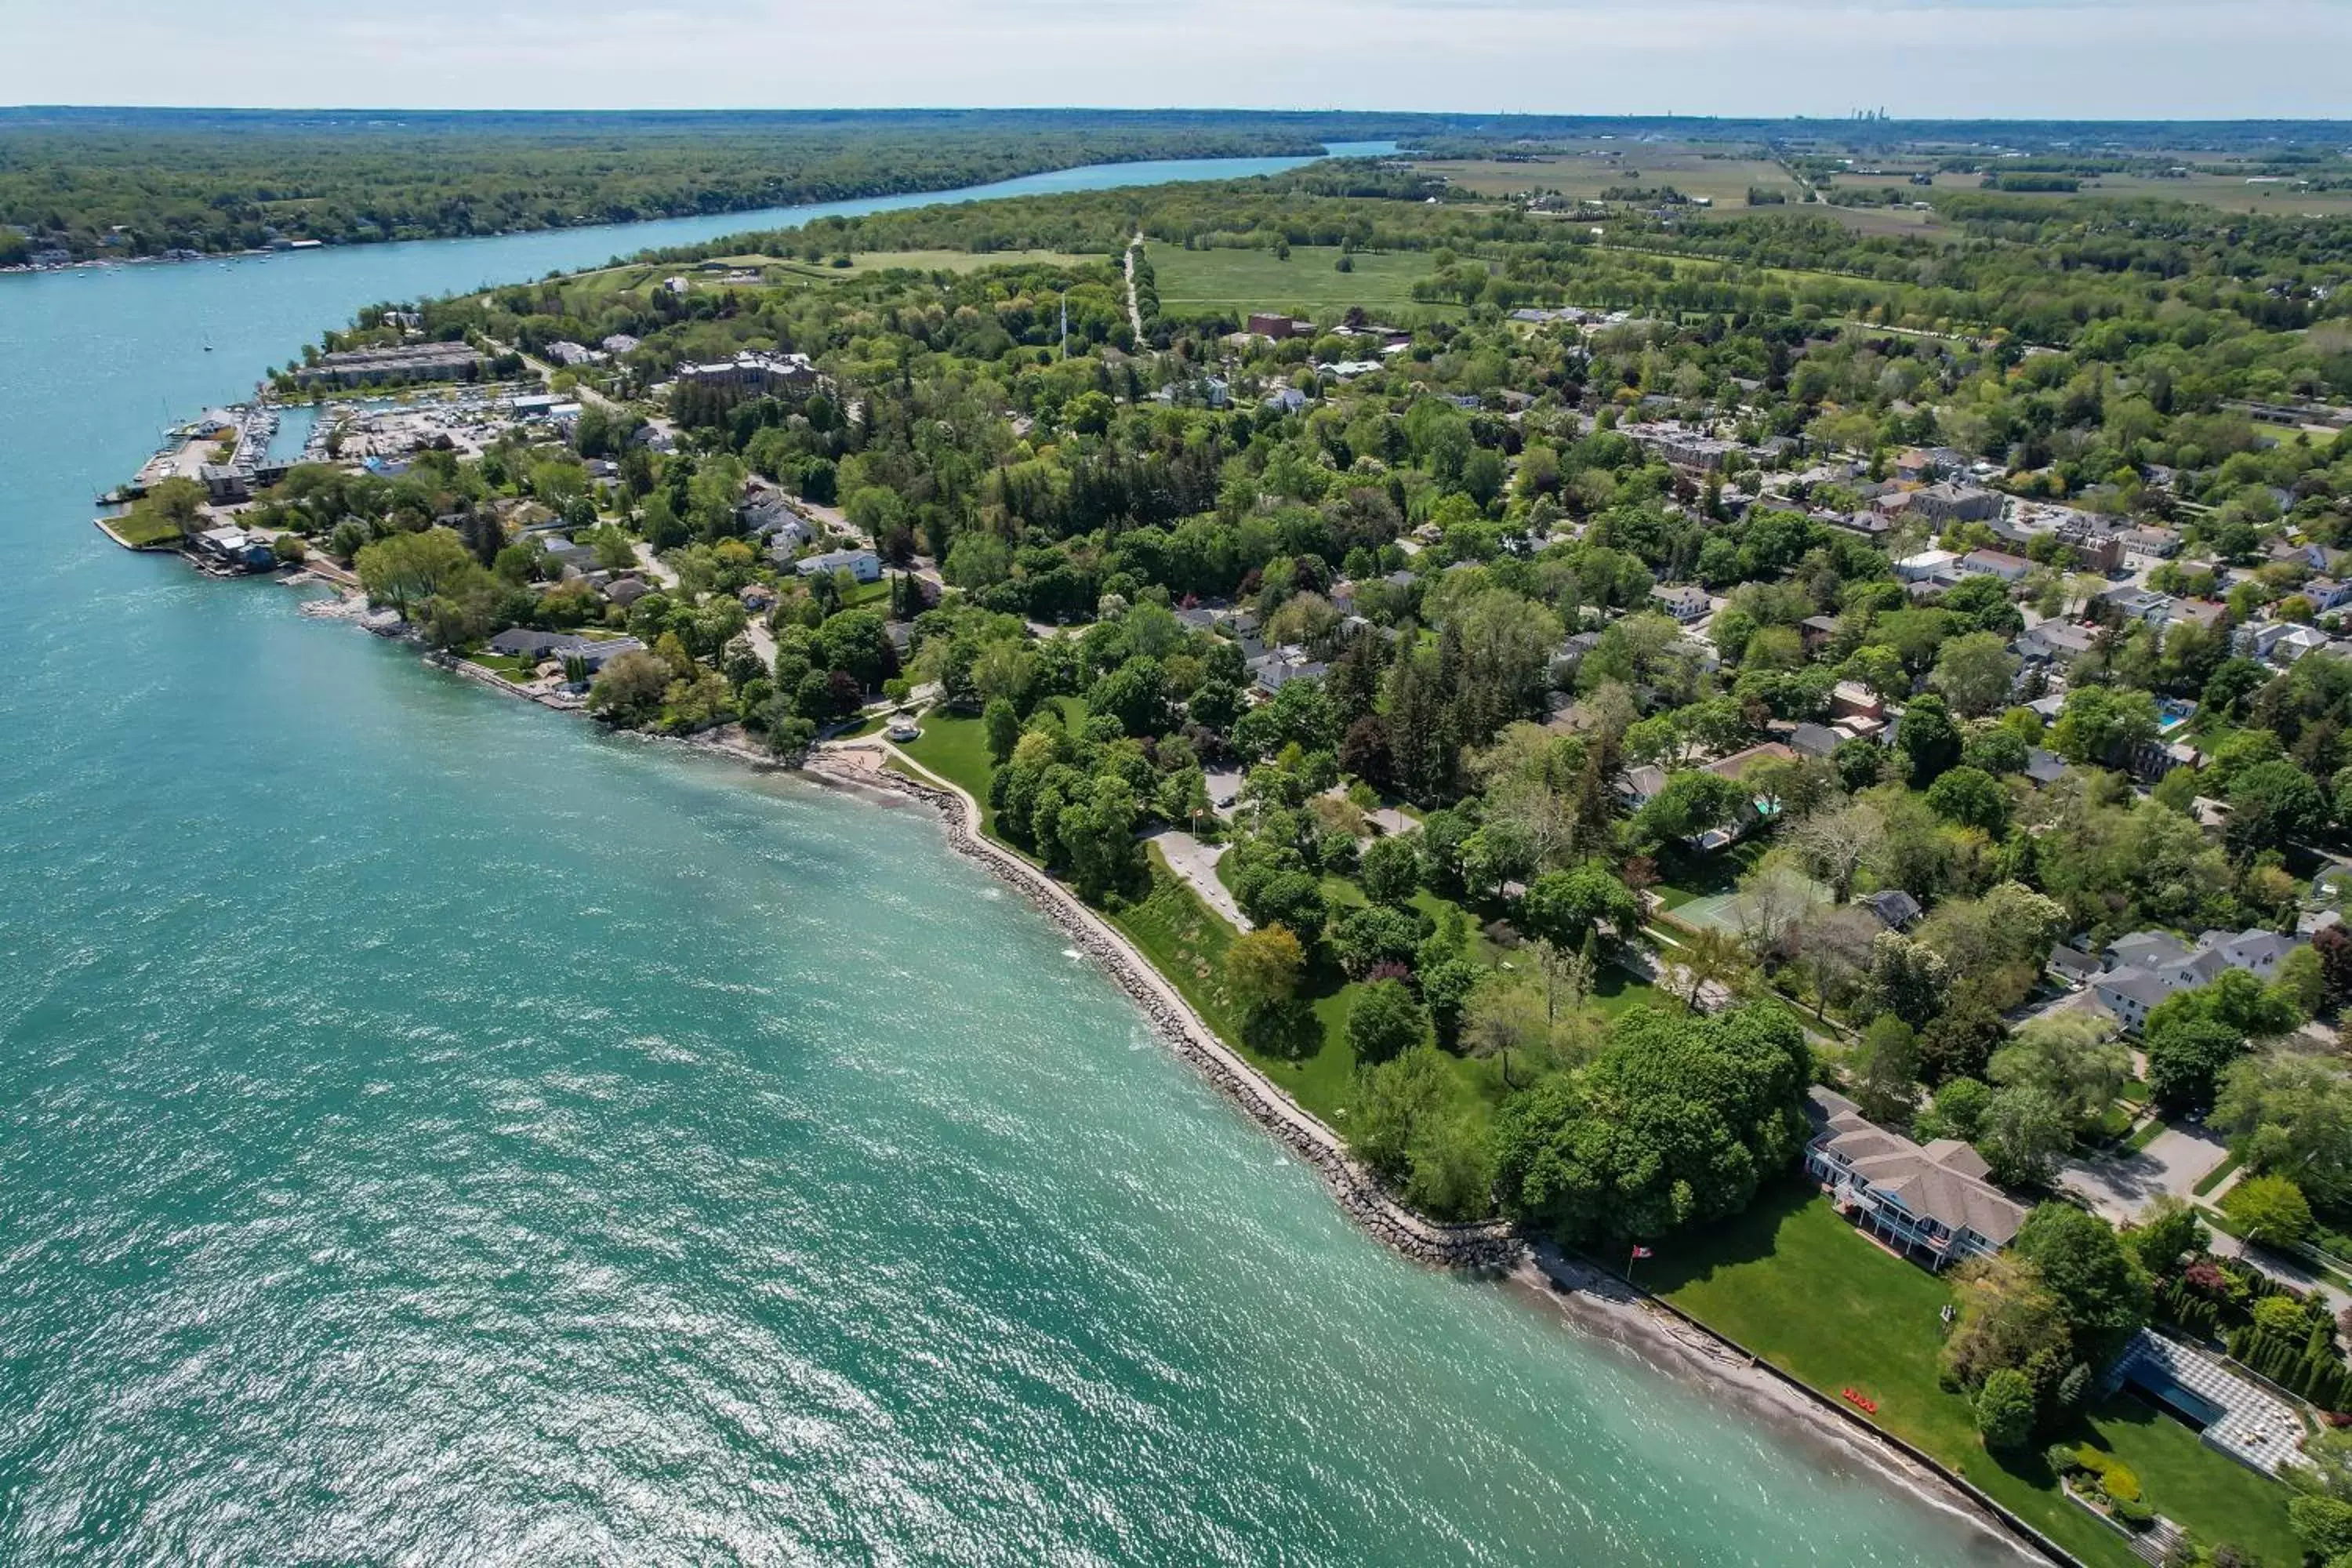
1240, 281
1581, 176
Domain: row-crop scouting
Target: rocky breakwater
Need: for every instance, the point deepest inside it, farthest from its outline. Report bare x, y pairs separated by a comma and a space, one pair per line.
1492, 1245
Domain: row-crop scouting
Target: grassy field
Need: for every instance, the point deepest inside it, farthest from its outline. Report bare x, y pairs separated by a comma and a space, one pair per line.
641, 280
1797, 1285
955, 747
1309, 283
1583, 176
145, 530
1187, 941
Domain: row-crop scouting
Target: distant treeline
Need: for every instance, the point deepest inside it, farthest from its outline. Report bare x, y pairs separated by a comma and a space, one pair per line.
136, 183
133, 182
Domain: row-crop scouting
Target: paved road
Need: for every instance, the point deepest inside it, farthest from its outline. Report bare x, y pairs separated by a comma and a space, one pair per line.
2283, 1269
1126, 264
1197, 863
2175, 1160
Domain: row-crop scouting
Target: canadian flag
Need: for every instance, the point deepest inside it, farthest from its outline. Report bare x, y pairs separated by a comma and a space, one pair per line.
1641, 1252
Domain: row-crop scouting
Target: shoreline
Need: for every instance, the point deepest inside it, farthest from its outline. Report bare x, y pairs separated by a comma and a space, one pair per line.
1588, 1299
1636, 1325
1490, 1245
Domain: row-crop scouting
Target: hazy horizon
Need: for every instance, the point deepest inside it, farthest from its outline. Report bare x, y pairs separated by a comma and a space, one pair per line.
1933, 59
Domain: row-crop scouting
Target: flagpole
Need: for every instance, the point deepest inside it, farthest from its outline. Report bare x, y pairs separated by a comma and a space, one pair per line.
1629, 1258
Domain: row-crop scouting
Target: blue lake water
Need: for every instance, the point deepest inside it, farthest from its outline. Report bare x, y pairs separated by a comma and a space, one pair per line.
436, 1132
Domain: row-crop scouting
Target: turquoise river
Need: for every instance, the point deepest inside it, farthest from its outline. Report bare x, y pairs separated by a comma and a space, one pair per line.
432, 1132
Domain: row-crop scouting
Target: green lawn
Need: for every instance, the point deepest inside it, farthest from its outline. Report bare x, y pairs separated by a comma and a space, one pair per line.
2215, 1177
1684, 874
1797, 1285
503, 664
1240, 281
145, 530
1616, 988
1187, 941
2218, 1499
955, 747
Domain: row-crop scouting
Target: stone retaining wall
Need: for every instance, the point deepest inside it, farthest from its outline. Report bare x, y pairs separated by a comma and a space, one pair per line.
1491, 1245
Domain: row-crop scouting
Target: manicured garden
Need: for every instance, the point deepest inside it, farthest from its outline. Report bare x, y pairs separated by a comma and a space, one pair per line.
1796, 1284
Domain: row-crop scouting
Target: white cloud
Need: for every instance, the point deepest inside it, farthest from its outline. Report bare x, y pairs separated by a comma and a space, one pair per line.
1940, 58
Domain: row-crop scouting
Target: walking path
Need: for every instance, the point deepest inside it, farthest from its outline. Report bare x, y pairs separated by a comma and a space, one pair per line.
1493, 1243
1197, 863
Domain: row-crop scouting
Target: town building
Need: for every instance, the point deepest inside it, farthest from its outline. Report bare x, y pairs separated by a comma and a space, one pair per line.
1267, 324
402, 362
763, 374
1995, 564
1949, 503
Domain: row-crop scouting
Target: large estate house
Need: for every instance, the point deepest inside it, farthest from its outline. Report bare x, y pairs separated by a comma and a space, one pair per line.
2148, 967
1930, 1203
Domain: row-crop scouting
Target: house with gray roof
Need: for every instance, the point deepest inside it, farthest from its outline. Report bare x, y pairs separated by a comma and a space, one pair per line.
1932, 1203
2145, 967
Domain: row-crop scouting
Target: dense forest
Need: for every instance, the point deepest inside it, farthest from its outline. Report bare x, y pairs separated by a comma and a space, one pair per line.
94, 183
138, 184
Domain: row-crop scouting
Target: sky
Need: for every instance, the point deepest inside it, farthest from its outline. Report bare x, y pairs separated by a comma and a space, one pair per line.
1916, 58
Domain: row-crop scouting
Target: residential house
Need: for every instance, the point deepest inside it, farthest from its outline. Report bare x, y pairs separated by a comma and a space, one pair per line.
2327, 594
863, 566
1896, 909
1276, 667
2056, 641
522, 642
2073, 965
1816, 630
1931, 1203
2281, 642
2145, 967
1686, 602
1809, 740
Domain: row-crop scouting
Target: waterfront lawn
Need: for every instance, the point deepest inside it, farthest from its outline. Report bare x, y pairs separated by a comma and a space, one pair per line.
1800, 1286
1186, 941
955, 747
143, 530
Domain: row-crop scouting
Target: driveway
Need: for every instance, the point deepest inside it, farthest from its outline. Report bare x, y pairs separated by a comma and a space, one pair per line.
2175, 1160
1197, 863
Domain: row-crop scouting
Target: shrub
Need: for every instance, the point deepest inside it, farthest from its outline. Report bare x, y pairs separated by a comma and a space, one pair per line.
2005, 1409
2269, 1210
